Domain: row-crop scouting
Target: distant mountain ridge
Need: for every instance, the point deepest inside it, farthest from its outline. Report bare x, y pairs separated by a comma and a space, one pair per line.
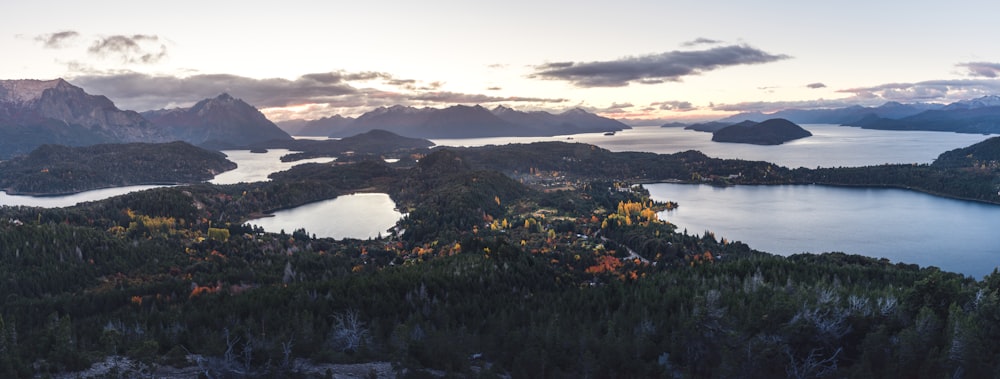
462, 121
221, 122
838, 116
36, 112
979, 115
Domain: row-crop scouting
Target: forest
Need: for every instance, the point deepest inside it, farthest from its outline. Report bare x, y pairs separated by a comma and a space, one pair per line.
491, 273
57, 169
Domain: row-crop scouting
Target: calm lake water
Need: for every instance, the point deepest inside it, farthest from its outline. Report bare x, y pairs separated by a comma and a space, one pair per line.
830, 145
361, 216
255, 167
903, 226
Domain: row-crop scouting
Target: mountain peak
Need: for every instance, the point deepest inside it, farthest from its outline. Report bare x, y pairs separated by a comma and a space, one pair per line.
27, 90
576, 111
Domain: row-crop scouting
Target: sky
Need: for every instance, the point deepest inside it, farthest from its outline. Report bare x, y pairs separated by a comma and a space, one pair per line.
638, 60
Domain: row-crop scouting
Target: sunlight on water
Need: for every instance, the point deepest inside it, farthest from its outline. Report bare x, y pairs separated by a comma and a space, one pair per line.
361, 216
255, 167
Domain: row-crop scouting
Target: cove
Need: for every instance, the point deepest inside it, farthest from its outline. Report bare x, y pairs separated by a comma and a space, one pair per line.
900, 225
361, 216
71, 199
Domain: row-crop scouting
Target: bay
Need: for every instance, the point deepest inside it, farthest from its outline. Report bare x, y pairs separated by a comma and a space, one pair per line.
255, 167
900, 225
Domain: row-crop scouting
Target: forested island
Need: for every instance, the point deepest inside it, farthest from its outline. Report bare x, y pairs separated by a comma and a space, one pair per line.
774, 131
57, 169
513, 261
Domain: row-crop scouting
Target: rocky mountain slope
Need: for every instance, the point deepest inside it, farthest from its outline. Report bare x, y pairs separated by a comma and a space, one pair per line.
36, 112
221, 122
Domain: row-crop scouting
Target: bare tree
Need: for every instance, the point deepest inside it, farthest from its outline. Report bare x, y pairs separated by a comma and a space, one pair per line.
812, 366
349, 333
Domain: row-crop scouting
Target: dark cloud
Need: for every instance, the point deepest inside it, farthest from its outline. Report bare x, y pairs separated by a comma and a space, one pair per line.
981, 69
138, 48
494, 88
700, 41
57, 40
331, 91
816, 85
681, 106
143, 92
657, 68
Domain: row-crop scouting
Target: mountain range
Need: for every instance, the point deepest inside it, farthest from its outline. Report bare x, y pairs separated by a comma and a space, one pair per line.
980, 115
37, 112
223, 122
460, 121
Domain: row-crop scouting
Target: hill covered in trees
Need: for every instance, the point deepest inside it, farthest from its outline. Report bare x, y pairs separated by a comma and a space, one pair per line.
490, 274
55, 169
774, 131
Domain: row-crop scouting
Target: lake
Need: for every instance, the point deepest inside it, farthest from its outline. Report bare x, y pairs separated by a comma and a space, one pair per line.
830, 145
69, 200
255, 167
361, 216
251, 167
903, 226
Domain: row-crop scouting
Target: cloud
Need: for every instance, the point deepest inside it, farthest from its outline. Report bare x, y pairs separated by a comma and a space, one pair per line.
816, 85
656, 68
131, 90
465, 98
614, 108
330, 91
981, 69
138, 48
930, 91
673, 105
494, 88
700, 41
774, 106
57, 40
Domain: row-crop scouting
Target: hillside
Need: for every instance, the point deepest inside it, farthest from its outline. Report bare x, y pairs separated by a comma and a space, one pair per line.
484, 277
769, 132
983, 155
985, 120
56, 169
374, 143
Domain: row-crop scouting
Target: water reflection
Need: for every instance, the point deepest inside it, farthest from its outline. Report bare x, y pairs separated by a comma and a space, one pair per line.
361, 216
903, 226
69, 200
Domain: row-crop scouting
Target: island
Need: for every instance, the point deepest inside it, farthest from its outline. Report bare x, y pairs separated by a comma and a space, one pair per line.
57, 169
775, 131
